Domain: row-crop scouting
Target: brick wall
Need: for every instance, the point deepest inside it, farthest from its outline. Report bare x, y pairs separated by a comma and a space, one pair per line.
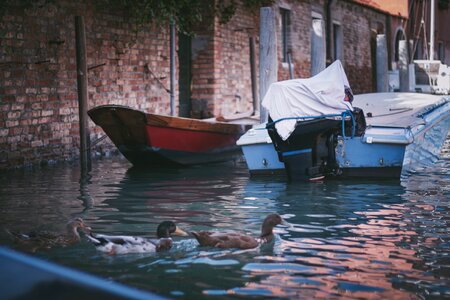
203, 71
221, 77
38, 89
299, 39
233, 92
359, 25
443, 33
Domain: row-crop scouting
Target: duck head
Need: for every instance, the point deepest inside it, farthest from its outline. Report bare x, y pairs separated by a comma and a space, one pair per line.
269, 223
75, 224
168, 228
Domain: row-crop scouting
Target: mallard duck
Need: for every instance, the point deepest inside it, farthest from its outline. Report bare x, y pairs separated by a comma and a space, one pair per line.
239, 240
44, 239
122, 244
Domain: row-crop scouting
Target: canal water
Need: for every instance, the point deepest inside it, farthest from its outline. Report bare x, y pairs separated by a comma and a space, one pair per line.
345, 238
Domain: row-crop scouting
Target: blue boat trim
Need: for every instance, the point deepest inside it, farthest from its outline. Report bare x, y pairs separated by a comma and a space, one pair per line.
289, 153
431, 108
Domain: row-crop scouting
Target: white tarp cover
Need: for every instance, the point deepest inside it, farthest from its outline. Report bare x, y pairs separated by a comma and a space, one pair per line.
320, 95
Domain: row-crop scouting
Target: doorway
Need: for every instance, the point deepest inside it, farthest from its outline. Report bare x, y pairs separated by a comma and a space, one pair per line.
184, 74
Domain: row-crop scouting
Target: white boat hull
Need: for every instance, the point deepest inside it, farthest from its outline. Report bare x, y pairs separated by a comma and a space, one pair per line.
259, 152
405, 132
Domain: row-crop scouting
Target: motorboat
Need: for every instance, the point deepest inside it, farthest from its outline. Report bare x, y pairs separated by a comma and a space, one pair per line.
319, 129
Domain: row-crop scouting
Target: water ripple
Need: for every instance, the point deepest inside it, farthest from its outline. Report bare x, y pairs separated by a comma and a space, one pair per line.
345, 239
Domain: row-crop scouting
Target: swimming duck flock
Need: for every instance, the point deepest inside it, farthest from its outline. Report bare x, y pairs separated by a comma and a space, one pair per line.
123, 244
119, 244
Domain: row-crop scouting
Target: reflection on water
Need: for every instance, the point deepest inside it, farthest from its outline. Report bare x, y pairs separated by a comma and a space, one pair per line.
349, 239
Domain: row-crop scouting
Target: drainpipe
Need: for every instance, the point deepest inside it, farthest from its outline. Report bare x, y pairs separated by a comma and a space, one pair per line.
328, 31
389, 39
172, 68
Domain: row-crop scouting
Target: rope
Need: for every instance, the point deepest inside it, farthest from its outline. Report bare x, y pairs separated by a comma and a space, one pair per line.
305, 117
343, 115
94, 143
348, 113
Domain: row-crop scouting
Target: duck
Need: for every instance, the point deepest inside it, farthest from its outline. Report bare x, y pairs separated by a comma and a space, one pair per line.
45, 239
123, 244
239, 240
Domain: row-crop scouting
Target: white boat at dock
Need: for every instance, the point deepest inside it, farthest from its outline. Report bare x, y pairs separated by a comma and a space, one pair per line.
389, 135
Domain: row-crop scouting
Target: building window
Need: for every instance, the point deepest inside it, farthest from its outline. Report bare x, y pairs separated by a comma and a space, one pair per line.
441, 52
285, 32
337, 41
418, 49
318, 44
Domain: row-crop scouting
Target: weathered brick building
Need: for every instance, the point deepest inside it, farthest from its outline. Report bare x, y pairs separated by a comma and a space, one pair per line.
38, 80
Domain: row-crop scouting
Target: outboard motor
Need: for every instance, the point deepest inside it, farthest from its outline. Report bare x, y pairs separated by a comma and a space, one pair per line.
309, 152
305, 152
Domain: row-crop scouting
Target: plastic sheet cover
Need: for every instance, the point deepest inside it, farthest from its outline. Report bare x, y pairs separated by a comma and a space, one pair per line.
319, 95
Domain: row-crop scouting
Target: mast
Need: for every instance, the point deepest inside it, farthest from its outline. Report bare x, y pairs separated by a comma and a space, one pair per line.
432, 31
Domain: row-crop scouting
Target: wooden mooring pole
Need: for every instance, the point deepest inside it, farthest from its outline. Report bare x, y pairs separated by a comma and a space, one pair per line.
403, 63
268, 62
253, 75
382, 64
80, 44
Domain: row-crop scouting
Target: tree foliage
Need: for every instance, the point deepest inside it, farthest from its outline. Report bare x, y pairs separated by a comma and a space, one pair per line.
185, 13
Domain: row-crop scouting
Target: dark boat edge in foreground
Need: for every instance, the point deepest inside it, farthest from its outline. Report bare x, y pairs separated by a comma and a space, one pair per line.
26, 277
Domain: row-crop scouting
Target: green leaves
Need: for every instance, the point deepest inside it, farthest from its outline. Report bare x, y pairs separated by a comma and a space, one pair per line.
187, 14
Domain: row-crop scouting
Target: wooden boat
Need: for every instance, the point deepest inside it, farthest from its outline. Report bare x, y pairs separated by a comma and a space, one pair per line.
152, 139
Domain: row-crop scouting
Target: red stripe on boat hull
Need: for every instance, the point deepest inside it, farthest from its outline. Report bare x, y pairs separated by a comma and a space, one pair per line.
188, 140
